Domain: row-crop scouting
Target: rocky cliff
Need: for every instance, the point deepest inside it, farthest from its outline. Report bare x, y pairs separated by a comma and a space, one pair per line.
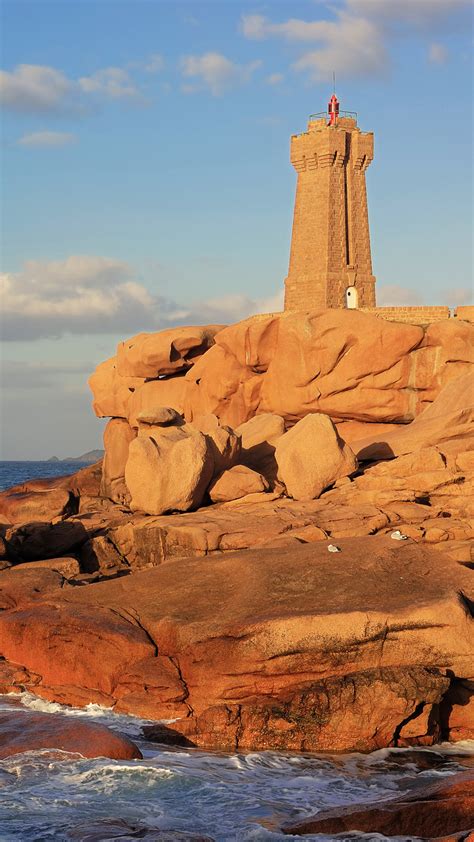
277, 547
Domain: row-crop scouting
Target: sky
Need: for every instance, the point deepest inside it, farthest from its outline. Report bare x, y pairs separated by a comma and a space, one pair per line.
146, 175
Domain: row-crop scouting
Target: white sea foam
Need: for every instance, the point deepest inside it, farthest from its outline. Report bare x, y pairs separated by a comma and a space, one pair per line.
244, 797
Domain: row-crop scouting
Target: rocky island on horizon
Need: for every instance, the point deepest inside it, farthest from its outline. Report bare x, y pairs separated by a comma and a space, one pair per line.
89, 457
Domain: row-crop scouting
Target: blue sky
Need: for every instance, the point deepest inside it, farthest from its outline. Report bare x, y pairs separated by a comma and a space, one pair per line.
146, 178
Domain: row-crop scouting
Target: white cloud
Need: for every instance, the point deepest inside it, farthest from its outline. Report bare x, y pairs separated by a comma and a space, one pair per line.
355, 41
47, 139
215, 72
33, 87
274, 79
349, 45
81, 295
258, 27
393, 295
86, 295
112, 82
37, 88
437, 53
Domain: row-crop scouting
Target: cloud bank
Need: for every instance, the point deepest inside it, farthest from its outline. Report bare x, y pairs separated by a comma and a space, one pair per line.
356, 42
87, 295
39, 89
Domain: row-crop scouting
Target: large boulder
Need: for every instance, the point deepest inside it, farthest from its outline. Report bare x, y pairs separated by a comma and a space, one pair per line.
21, 505
225, 444
448, 422
43, 500
235, 483
31, 731
168, 469
346, 364
259, 436
165, 391
166, 352
111, 392
289, 648
117, 438
311, 457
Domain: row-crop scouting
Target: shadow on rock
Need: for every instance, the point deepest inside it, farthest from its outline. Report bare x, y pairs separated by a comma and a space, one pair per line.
40, 540
167, 736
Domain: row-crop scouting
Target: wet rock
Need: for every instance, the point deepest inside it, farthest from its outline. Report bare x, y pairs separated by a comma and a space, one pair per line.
116, 829
30, 731
430, 812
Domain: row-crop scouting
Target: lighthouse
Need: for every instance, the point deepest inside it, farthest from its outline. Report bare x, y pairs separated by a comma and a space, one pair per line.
330, 258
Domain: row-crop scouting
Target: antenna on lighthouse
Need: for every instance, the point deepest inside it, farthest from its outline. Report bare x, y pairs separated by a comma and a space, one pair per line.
334, 82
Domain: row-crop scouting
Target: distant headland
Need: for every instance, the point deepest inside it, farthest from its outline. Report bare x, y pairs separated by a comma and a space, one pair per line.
90, 457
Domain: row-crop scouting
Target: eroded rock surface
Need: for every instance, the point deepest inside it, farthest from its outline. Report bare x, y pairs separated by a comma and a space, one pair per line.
126, 585
290, 648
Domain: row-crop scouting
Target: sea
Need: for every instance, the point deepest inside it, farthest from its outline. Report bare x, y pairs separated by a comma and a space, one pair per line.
14, 473
239, 797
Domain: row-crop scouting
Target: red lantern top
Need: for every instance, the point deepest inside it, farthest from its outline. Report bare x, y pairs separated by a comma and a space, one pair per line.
333, 110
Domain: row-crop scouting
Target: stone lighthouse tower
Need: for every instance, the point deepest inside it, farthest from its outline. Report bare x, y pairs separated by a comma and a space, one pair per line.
330, 261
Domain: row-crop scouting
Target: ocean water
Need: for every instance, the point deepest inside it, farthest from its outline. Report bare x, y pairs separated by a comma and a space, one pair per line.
13, 473
244, 797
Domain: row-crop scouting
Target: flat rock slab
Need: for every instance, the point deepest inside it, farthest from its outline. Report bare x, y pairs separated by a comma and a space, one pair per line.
283, 647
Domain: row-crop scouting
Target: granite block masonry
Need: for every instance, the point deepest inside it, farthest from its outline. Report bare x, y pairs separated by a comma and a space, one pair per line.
330, 258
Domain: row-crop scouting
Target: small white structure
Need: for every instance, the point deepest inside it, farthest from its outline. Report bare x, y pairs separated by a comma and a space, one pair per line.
352, 298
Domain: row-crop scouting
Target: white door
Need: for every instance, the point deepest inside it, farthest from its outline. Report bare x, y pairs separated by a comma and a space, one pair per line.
351, 298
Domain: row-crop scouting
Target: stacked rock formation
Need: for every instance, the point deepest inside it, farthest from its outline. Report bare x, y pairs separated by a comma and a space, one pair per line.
358, 370
257, 446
